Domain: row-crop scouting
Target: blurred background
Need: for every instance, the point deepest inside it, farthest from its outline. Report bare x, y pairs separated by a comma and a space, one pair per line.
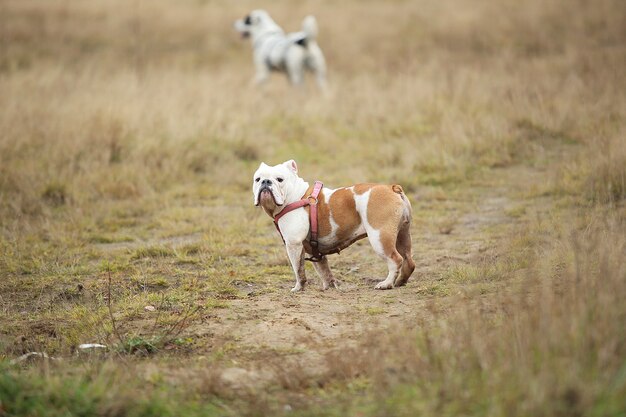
119, 99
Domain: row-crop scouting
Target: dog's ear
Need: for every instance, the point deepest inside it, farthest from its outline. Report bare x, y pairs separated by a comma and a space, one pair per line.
291, 164
263, 165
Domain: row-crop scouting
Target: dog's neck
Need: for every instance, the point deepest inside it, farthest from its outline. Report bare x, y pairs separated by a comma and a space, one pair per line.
298, 193
268, 28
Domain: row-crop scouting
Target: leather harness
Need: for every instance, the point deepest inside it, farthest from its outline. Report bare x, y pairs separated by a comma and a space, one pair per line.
311, 201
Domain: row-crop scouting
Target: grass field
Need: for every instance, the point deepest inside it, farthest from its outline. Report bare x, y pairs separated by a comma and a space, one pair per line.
129, 133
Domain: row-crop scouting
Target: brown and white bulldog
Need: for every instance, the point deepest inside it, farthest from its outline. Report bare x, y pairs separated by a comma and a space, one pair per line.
382, 213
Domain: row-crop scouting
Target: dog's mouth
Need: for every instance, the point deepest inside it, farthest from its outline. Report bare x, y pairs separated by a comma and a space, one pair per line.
266, 195
245, 34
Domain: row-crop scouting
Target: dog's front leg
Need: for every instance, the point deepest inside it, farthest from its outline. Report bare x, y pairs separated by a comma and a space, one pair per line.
296, 257
262, 71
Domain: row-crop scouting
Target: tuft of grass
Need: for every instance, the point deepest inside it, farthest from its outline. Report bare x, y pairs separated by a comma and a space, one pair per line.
55, 193
532, 131
247, 152
516, 212
446, 226
606, 182
216, 304
152, 252
375, 311
110, 238
139, 345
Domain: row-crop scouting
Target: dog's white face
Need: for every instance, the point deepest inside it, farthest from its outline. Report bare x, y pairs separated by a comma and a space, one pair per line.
271, 185
256, 23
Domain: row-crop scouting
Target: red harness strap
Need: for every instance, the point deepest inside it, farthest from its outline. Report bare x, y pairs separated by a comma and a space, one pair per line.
311, 200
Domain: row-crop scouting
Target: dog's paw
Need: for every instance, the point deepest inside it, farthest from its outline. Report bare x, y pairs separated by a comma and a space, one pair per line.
331, 284
384, 285
297, 288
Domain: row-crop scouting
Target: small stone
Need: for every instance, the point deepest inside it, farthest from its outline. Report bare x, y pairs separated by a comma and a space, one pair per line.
94, 346
150, 308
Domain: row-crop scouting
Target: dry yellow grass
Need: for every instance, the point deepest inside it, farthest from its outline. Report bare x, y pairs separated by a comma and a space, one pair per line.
129, 132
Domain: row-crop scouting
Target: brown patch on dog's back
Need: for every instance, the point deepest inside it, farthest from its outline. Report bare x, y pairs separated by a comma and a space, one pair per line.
343, 210
363, 188
323, 218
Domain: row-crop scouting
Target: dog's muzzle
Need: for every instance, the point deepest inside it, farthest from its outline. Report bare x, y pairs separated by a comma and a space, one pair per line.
242, 27
267, 188
247, 21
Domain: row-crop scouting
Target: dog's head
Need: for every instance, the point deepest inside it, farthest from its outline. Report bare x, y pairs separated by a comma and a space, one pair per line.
270, 185
255, 24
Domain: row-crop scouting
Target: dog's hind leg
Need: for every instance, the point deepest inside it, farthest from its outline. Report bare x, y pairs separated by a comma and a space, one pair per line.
382, 221
320, 76
394, 264
314, 59
403, 246
323, 270
317, 64
294, 64
384, 244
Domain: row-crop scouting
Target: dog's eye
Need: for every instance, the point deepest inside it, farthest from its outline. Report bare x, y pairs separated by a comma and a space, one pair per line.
258, 179
279, 179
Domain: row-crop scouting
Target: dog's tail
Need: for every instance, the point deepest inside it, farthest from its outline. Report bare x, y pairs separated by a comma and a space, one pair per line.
397, 188
309, 27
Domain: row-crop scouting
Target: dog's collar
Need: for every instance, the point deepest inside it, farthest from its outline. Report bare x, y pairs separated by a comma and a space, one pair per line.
311, 200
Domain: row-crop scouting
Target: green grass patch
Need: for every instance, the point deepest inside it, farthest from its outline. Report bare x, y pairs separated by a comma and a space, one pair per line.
101, 392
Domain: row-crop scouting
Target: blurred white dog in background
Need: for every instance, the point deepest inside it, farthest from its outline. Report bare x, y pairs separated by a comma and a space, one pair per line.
291, 53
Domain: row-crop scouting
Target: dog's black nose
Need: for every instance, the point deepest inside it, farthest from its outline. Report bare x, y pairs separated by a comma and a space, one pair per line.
266, 182
247, 20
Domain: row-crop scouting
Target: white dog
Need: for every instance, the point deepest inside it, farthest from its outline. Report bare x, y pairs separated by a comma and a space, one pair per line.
320, 221
274, 51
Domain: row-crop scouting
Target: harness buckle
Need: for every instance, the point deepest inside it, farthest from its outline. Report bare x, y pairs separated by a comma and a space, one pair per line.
315, 258
312, 200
